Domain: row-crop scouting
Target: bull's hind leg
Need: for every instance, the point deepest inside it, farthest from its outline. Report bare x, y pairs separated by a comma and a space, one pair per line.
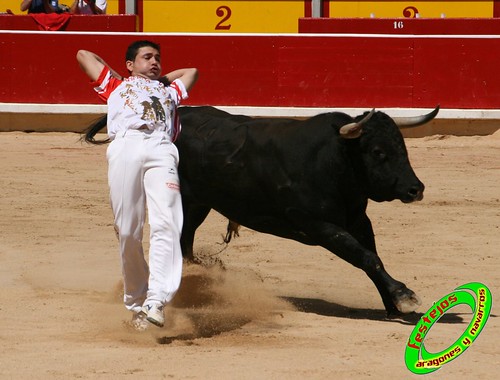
193, 218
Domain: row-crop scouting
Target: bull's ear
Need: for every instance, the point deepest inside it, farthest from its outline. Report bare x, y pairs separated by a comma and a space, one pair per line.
354, 130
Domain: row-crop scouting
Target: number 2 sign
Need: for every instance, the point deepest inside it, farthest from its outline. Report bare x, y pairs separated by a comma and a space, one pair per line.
224, 12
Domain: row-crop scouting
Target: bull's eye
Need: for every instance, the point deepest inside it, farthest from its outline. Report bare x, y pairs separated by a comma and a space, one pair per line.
378, 153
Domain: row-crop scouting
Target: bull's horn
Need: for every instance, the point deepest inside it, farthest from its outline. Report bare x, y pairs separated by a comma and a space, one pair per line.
353, 130
415, 121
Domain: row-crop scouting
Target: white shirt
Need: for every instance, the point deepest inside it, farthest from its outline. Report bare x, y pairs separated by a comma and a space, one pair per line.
84, 8
138, 102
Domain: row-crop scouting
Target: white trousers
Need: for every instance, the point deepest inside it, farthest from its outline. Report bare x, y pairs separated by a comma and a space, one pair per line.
143, 171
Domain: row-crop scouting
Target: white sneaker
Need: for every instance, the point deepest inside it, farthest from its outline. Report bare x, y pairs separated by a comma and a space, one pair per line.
139, 321
154, 314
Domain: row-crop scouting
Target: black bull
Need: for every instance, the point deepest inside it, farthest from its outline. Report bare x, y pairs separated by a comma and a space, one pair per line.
306, 180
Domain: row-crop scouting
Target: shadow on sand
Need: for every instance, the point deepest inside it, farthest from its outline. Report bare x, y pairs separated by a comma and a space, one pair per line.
331, 309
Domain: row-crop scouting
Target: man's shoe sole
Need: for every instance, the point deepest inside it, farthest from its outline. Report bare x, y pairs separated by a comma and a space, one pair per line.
154, 322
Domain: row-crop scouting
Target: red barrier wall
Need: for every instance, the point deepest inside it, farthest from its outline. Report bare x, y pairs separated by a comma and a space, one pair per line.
462, 26
102, 23
271, 70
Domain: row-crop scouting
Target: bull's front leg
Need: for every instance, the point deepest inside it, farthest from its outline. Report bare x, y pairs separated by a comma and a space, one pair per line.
397, 298
404, 299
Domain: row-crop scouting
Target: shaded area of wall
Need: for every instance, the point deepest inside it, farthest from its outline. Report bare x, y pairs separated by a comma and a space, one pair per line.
34, 122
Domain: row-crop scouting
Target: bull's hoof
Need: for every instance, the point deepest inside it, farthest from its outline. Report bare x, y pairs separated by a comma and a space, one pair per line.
406, 301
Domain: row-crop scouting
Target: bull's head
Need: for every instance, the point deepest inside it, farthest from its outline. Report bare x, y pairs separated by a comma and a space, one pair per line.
382, 156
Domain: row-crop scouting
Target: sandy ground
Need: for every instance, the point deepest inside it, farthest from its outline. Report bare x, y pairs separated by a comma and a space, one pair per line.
279, 310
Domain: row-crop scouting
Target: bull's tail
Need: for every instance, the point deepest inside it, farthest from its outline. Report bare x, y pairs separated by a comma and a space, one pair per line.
91, 131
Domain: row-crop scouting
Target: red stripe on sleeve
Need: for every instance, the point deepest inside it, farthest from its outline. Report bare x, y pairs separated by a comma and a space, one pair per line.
175, 86
105, 84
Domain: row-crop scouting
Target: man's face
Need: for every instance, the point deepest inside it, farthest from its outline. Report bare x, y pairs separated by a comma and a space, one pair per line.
146, 64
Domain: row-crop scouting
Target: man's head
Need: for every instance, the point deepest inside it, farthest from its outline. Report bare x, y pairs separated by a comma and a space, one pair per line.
143, 59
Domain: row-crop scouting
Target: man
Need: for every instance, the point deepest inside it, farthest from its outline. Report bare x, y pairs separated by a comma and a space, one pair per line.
40, 6
89, 7
142, 170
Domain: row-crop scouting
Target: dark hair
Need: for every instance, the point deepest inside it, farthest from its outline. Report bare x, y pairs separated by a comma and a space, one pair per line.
134, 47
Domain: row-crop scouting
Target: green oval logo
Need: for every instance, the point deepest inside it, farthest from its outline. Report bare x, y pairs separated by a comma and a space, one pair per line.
474, 294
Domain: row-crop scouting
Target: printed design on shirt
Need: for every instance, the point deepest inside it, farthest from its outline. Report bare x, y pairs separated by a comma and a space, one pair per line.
147, 100
153, 111
129, 96
168, 105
